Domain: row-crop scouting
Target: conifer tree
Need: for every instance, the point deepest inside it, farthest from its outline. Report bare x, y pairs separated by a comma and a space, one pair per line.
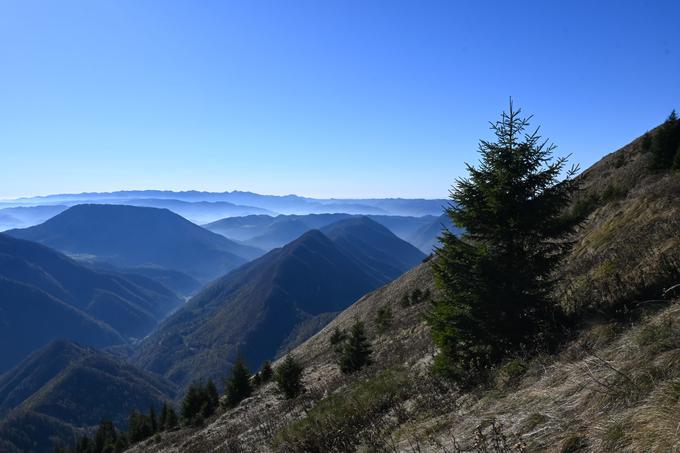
238, 387
356, 351
288, 377
213, 398
193, 403
139, 427
266, 372
152, 419
337, 340
257, 380
105, 437
666, 143
496, 280
163, 417
171, 421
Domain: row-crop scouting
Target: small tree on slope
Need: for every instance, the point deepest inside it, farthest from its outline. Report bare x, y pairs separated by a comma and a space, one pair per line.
288, 377
496, 280
356, 351
238, 385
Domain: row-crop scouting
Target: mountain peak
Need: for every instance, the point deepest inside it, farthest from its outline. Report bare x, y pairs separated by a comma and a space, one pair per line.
133, 236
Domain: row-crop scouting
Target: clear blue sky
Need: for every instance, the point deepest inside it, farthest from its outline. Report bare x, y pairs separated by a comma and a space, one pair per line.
321, 98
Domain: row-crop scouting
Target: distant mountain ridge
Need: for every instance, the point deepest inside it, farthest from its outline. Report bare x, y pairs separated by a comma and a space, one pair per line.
129, 236
285, 204
267, 304
268, 232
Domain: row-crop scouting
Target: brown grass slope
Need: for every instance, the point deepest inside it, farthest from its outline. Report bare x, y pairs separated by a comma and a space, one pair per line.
615, 386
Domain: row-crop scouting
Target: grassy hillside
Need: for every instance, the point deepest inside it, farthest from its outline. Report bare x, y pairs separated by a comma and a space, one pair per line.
613, 386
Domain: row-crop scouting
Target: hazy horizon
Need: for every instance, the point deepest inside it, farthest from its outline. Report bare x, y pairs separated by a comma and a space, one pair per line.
282, 194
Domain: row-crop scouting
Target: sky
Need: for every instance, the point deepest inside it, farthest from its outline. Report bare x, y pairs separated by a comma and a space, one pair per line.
327, 98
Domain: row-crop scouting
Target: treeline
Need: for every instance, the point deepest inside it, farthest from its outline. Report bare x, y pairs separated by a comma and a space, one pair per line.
664, 144
200, 402
141, 426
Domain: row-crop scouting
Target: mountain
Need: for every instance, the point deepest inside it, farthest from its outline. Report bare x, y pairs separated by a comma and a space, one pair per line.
274, 302
426, 238
198, 211
284, 229
128, 236
286, 204
46, 295
376, 249
611, 386
268, 232
66, 388
253, 310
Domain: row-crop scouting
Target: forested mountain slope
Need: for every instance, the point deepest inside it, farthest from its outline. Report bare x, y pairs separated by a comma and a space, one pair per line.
45, 295
273, 303
66, 389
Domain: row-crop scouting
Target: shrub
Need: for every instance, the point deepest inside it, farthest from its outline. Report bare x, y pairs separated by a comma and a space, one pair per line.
613, 193
405, 301
383, 319
344, 420
416, 297
511, 371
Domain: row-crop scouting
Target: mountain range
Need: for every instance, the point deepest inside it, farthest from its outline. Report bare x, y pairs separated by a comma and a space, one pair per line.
139, 237
45, 295
267, 232
269, 305
204, 207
